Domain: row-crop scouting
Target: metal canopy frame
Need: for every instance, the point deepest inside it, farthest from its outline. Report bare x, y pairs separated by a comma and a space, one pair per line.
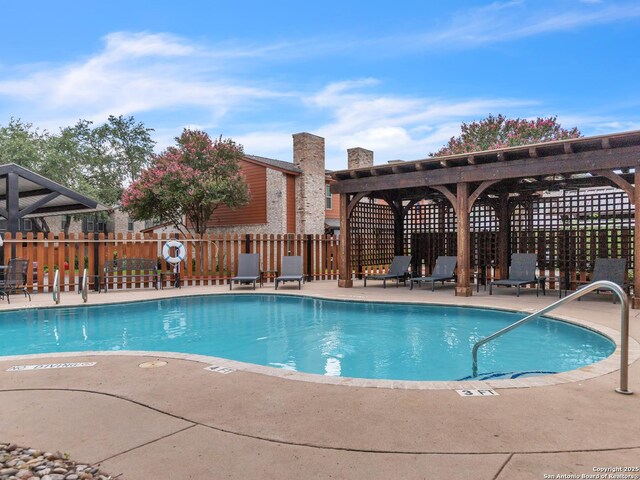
495, 177
27, 194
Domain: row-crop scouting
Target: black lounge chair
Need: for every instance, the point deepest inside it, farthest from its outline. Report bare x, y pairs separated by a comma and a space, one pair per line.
442, 272
612, 269
522, 272
248, 269
399, 269
15, 279
291, 271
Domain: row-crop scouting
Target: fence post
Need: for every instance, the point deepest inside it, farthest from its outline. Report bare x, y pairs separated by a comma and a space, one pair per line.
309, 257
247, 243
96, 262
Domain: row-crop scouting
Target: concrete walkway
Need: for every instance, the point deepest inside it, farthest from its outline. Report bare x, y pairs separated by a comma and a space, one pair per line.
180, 421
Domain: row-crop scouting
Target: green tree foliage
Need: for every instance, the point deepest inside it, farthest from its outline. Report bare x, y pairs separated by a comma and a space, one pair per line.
499, 132
189, 181
112, 154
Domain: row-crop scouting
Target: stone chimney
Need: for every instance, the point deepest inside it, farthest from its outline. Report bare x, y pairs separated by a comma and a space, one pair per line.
359, 158
308, 156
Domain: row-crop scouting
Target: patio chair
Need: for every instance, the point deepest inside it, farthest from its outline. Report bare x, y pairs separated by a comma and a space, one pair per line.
612, 269
522, 272
442, 272
15, 279
399, 269
248, 269
291, 271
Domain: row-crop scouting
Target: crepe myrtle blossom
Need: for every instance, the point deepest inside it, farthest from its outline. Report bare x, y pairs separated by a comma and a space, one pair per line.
500, 132
189, 181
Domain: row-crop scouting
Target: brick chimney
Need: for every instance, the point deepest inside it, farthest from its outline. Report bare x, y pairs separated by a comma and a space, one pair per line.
308, 155
359, 158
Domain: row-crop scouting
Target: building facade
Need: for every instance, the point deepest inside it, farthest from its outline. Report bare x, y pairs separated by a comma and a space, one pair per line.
289, 197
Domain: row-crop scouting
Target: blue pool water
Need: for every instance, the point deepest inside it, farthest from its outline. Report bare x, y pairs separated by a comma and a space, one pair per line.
349, 339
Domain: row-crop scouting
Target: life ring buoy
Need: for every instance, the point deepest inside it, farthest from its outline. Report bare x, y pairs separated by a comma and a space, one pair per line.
180, 251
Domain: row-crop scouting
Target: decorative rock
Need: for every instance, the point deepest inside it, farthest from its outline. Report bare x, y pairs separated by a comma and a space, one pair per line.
19, 463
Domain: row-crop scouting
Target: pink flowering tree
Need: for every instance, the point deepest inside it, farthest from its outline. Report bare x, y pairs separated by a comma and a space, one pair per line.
499, 132
189, 182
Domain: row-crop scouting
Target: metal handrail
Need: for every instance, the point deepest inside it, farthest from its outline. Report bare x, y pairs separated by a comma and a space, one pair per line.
85, 285
624, 327
56, 287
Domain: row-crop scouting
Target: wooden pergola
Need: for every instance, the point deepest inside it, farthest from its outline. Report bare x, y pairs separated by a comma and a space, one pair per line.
499, 178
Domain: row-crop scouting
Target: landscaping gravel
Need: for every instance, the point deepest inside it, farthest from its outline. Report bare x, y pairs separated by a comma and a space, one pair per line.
21, 463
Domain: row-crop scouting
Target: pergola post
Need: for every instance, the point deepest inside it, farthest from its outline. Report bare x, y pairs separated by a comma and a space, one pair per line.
13, 207
635, 301
344, 279
504, 227
463, 288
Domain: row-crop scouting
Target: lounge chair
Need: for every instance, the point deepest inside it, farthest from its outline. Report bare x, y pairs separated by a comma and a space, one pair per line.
399, 269
291, 271
15, 279
442, 272
612, 269
522, 272
248, 269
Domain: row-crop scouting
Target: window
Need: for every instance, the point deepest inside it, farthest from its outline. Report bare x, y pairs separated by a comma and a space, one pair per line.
129, 224
93, 226
27, 225
329, 204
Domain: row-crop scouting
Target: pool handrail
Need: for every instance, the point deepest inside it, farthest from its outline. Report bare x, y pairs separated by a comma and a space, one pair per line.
624, 327
56, 287
85, 285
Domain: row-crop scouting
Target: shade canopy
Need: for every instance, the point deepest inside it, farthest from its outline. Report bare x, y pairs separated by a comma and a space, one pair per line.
25, 194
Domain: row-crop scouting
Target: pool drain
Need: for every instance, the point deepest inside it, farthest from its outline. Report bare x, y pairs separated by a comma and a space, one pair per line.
153, 364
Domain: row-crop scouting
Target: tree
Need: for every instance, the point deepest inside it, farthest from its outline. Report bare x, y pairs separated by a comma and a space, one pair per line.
189, 181
499, 132
112, 155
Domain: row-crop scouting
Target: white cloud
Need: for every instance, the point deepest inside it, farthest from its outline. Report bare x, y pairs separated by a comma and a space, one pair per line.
505, 21
394, 127
136, 72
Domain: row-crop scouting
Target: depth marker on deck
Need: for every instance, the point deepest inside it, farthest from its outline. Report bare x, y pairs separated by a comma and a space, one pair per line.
49, 366
485, 392
217, 369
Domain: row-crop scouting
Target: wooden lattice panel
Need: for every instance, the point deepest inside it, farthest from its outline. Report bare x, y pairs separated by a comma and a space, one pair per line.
570, 230
372, 235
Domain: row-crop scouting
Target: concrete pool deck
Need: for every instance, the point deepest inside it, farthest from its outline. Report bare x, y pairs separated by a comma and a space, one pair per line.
181, 421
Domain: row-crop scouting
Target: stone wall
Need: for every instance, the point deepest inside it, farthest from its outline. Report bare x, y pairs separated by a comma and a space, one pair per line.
276, 209
118, 222
308, 155
359, 158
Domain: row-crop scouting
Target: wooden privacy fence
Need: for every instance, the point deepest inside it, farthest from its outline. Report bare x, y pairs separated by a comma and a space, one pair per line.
210, 259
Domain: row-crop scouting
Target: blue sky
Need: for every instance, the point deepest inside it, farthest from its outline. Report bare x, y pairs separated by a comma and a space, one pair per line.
395, 77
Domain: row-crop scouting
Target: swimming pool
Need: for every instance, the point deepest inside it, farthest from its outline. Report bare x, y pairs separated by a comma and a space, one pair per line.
335, 338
